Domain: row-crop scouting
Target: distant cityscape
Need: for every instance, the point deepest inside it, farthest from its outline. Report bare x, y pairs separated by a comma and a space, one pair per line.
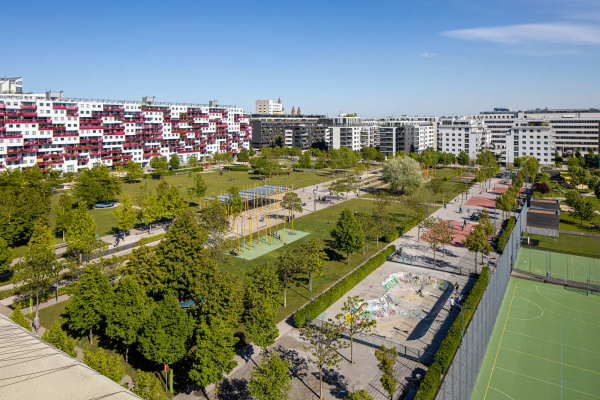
69, 134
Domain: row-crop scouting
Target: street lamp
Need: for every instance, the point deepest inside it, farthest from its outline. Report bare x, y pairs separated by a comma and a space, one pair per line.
315, 191
462, 321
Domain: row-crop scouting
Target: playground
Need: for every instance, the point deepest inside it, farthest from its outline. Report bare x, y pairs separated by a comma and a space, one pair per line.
544, 345
407, 302
268, 242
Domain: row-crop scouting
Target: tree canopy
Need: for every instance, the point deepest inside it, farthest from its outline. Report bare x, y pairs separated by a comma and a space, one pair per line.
403, 174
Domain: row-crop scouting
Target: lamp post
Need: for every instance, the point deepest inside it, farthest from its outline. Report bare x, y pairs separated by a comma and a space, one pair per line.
315, 191
462, 321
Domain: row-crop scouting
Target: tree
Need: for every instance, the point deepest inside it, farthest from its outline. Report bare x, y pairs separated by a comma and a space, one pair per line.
96, 185
126, 312
168, 201
235, 205
348, 235
63, 212
134, 171
291, 202
288, 268
87, 307
359, 395
477, 242
438, 235
243, 155
164, 335
270, 379
214, 220
305, 161
147, 386
105, 362
58, 338
387, 358
174, 162
323, 345
81, 234
5, 256
312, 259
584, 210
143, 267
403, 174
38, 267
160, 165
260, 304
126, 215
214, 351
354, 320
17, 317
463, 158
199, 187
425, 224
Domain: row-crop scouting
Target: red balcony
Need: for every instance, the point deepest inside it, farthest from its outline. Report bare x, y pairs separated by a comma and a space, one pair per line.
28, 107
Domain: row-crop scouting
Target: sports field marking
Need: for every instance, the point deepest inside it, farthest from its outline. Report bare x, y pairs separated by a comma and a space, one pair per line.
553, 361
500, 344
553, 342
569, 308
503, 393
532, 318
547, 382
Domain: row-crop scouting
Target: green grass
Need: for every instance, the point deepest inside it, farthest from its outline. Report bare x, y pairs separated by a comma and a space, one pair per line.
319, 225
50, 314
570, 223
570, 244
559, 265
544, 346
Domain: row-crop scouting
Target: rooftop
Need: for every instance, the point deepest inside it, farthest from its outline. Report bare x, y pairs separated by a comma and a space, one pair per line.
32, 369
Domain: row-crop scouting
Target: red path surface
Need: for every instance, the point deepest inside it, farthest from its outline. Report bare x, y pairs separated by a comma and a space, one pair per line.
480, 201
499, 189
460, 234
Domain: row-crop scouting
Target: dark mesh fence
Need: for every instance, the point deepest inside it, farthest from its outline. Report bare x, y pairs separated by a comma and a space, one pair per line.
462, 374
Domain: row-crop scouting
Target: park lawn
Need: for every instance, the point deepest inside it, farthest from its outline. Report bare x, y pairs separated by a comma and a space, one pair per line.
320, 224
50, 314
218, 184
570, 244
570, 223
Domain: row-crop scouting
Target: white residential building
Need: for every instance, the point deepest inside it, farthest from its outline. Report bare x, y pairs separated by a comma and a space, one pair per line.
345, 132
407, 134
530, 138
466, 134
269, 107
11, 85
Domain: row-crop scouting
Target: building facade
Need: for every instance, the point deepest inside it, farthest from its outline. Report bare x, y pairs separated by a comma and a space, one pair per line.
529, 137
269, 107
73, 134
407, 134
470, 135
345, 131
11, 85
300, 131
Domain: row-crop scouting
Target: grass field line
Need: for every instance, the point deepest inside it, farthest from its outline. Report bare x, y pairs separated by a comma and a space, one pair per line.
512, 299
552, 361
548, 382
553, 342
502, 393
533, 318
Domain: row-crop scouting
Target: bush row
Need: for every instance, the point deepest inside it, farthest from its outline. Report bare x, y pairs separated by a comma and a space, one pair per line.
150, 239
236, 168
334, 293
445, 354
503, 238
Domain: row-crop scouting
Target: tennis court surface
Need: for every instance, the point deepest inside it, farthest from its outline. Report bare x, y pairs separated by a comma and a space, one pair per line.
545, 345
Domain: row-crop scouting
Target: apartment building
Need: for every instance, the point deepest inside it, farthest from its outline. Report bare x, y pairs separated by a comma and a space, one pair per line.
499, 122
300, 131
11, 85
72, 134
529, 137
269, 107
467, 134
369, 133
407, 134
345, 131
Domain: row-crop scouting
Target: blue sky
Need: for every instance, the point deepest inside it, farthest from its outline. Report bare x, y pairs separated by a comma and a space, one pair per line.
376, 58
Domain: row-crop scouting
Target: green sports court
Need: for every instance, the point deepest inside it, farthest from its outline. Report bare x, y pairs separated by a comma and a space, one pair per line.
545, 345
559, 265
267, 243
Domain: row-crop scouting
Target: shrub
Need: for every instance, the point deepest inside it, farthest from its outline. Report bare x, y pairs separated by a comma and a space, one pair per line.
334, 293
445, 355
508, 227
150, 239
541, 187
236, 168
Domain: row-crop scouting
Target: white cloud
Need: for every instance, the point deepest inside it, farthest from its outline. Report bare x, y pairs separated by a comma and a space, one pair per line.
549, 33
428, 54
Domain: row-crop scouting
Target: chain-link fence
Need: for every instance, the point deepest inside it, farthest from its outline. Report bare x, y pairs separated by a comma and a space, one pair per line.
461, 376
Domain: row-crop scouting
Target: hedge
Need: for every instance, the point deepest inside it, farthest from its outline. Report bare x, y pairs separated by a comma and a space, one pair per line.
236, 168
334, 293
510, 224
445, 355
150, 239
